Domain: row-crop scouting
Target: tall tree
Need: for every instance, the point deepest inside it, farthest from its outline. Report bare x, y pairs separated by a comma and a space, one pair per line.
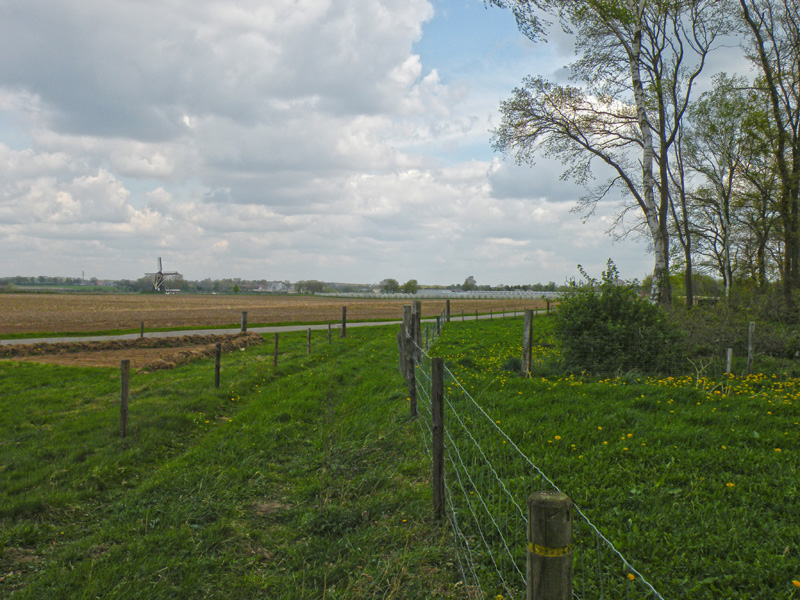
773, 27
716, 148
638, 61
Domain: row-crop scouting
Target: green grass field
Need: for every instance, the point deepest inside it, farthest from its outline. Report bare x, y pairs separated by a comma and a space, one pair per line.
695, 481
305, 481
310, 480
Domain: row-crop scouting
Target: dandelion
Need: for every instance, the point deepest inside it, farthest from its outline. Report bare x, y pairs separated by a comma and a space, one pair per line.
558, 437
730, 485
796, 583
631, 576
630, 435
777, 449
600, 429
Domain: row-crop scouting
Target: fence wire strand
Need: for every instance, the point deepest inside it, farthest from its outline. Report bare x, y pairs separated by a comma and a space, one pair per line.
488, 481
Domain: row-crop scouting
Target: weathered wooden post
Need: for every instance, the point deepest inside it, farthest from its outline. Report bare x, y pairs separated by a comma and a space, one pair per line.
344, 321
750, 344
447, 311
729, 361
141, 331
308, 341
476, 314
427, 337
491, 314
125, 373
217, 360
549, 566
527, 342
407, 365
244, 321
437, 432
275, 355
329, 332
416, 312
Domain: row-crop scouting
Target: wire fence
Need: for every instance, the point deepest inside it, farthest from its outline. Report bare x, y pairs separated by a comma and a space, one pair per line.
488, 481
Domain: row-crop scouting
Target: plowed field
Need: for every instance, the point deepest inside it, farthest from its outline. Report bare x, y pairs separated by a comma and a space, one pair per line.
76, 313
61, 313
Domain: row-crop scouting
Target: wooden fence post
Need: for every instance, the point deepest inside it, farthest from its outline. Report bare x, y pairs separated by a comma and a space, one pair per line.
447, 311
416, 313
527, 342
125, 373
275, 356
437, 431
244, 321
217, 359
344, 321
141, 332
751, 329
329, 332
548, 571
308, 341
407, 367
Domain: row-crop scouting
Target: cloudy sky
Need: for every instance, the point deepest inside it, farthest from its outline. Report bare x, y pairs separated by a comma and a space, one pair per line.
340, 140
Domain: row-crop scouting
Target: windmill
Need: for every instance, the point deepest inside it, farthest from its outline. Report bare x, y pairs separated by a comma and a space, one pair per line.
158, 277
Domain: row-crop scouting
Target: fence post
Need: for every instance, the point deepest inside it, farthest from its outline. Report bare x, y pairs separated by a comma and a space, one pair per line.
729, 361
527, 342
329, 332
244, 321
217, 358
548, 571
447, 311
751, 329
141, 332
416, 313
125, 373
437, 430
275, 356
344, 321
308, 341
407, 367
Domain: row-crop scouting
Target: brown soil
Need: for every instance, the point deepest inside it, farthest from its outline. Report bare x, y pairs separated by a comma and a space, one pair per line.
63, 313
60, 313
145, 354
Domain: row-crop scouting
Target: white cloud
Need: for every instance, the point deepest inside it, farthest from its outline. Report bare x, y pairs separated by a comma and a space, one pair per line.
289, 139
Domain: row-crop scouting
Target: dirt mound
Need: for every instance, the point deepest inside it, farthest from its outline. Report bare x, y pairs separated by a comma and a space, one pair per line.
145, 354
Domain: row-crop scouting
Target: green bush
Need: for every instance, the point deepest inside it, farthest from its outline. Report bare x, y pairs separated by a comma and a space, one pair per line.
606, 327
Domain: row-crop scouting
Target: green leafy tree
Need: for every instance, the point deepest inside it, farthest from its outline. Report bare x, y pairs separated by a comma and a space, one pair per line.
469, 284
390, 286
607, 327
410, 287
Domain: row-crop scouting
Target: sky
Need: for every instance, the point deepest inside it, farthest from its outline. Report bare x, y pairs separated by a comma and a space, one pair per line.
338, 140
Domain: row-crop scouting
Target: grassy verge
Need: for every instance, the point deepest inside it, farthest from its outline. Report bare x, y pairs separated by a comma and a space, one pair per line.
695, 480
305, 481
